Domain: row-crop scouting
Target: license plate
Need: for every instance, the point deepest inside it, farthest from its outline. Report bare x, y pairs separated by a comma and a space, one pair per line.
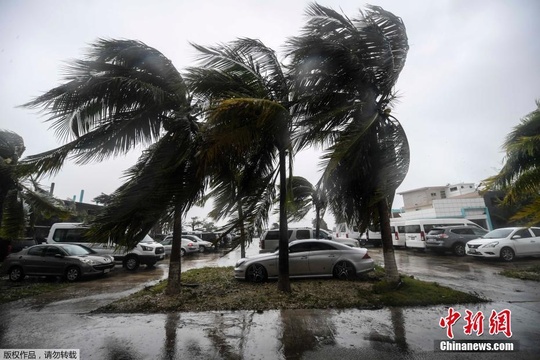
106, 271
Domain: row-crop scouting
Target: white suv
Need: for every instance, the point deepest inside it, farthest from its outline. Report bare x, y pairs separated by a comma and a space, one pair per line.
146, 252
269, 241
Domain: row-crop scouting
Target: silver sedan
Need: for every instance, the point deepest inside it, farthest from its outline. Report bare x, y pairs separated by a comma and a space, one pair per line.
308, 258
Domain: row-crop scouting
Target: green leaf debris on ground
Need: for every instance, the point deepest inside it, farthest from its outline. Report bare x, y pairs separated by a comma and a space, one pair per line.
215, 289
529, 273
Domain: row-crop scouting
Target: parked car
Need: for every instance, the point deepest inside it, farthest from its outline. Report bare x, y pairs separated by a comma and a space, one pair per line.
506, 243
147, 252
269, 240
68, 260
203, 245
188, 246
452, 238
308, 258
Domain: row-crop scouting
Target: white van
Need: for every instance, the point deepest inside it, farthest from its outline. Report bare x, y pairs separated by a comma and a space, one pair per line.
343, 230
398, 233
146, 252
374, 237
416, 230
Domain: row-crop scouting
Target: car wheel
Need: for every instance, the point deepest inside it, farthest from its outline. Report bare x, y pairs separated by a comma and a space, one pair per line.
344, 270
182, 252
202, 249
131, 263
16, 274
256, 273
73, 273
507, 254
363, 242
459, 249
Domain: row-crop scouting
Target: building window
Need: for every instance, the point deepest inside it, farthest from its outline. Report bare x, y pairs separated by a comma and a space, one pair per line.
443, 194
453, 188
433, 194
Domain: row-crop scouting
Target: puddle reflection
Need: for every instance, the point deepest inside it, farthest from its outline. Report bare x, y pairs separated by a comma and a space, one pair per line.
305, 330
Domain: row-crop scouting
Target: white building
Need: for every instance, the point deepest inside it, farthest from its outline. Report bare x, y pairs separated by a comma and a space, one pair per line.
450, 201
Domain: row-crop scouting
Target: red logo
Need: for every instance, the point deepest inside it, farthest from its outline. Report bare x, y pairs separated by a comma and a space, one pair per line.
499, 322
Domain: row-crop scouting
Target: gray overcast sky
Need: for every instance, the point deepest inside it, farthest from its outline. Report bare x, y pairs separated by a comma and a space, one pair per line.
471, 74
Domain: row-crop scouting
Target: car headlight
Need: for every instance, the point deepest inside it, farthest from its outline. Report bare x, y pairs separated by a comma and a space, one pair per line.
88, 261
146, 248
240, 262
491, 244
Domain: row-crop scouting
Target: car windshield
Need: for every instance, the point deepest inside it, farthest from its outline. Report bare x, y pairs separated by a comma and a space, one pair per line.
498, 234
76, 250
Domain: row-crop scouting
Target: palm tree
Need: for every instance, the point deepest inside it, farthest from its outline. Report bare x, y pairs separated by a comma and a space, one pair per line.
520, 175
302, 197
21, 197
240, 190
248, 101
126, 94
345, 70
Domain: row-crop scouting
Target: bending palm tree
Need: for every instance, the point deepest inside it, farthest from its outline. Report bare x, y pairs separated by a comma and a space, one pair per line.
127, 94
345, 71
248, 101
520, 175
17, 190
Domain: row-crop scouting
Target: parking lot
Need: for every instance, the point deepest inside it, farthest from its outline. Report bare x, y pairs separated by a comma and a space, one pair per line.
66, 320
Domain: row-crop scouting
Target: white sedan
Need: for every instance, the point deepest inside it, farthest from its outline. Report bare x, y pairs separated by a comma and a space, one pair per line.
308, 258
188, 246
203, 244
506, 243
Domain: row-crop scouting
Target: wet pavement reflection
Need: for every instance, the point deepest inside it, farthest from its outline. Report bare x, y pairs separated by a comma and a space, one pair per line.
64, 320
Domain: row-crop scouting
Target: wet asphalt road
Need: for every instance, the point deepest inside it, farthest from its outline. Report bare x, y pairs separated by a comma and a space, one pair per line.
63, 320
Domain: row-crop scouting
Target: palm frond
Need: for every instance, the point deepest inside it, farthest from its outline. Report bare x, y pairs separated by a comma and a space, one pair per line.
156, 184
41, 202
341, 64
520, 175
122, 95
365, 166
528, 214
248, 62
13, 219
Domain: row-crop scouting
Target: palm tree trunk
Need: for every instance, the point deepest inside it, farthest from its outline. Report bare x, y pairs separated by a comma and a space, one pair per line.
283, 278
175, 265
242, 230
317, 221
390, 266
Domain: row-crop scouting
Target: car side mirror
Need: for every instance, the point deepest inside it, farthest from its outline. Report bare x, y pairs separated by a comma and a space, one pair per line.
515, 237
58, 256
